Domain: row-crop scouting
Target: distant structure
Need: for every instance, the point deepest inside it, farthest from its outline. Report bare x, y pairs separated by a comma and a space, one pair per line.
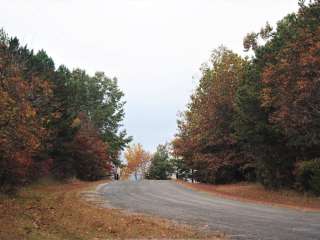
115, 172
118, 173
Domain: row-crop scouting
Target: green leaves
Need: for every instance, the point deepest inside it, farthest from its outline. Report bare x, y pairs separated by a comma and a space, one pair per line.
264, 111
100, 99
206, 131
43, 111
161, 167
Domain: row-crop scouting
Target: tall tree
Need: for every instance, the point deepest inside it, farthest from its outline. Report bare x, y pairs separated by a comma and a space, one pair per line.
205, 139
39, 108
161, 167
22, 122
138, 160
279, 101
92, 160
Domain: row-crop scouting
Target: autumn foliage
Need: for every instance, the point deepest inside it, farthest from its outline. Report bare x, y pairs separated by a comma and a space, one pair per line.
22, 131
258, 119
205, 139
53, 120
138, 160
92, 160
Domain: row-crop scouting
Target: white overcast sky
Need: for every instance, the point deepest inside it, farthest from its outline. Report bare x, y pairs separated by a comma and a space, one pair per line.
154, 47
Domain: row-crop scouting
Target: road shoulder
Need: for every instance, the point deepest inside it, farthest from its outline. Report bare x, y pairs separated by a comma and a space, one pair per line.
254, 193
57, 211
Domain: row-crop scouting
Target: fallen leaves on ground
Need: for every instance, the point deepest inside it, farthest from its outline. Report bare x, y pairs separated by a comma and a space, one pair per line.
58, 211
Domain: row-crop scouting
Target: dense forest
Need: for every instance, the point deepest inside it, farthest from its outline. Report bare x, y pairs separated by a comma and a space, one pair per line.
258, 118
54, 121
249, 119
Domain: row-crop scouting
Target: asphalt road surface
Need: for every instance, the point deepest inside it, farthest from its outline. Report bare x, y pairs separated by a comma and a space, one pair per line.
237, 219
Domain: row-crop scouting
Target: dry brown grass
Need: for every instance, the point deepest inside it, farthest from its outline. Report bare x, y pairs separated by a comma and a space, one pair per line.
56, 211
257, 193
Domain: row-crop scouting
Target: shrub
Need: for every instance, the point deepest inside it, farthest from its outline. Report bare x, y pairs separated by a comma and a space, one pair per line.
228, 174
308, 176
249, 172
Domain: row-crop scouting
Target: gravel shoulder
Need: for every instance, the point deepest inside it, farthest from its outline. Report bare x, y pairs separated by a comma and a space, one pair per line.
239, 220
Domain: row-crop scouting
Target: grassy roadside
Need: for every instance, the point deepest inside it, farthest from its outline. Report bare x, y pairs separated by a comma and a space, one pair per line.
256, 193
53, 211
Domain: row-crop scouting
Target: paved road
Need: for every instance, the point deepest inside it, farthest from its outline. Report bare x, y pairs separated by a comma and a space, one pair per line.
239, 220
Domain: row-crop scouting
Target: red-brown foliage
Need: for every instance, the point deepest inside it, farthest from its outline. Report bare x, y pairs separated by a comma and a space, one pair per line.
21, 127
91, 156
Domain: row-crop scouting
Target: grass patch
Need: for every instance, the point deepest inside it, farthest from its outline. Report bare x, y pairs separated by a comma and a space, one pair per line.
56, 211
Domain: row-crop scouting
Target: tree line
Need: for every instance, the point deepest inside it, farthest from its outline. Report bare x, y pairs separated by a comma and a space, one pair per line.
54, 121
258, 118
141, 164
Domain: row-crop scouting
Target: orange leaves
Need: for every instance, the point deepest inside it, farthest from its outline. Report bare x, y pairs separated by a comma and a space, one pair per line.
40, 115
23, 159
7, 108
76, 122
271, 118
205, 140
46, 87
303, 85
29, 111
137, 159
22, 131
290, 79
214, 98
266, 97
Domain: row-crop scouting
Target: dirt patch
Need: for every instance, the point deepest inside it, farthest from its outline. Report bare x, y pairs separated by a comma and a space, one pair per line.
58, 211
257, 193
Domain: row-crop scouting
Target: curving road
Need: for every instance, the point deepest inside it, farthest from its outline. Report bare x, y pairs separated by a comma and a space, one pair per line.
239, 220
